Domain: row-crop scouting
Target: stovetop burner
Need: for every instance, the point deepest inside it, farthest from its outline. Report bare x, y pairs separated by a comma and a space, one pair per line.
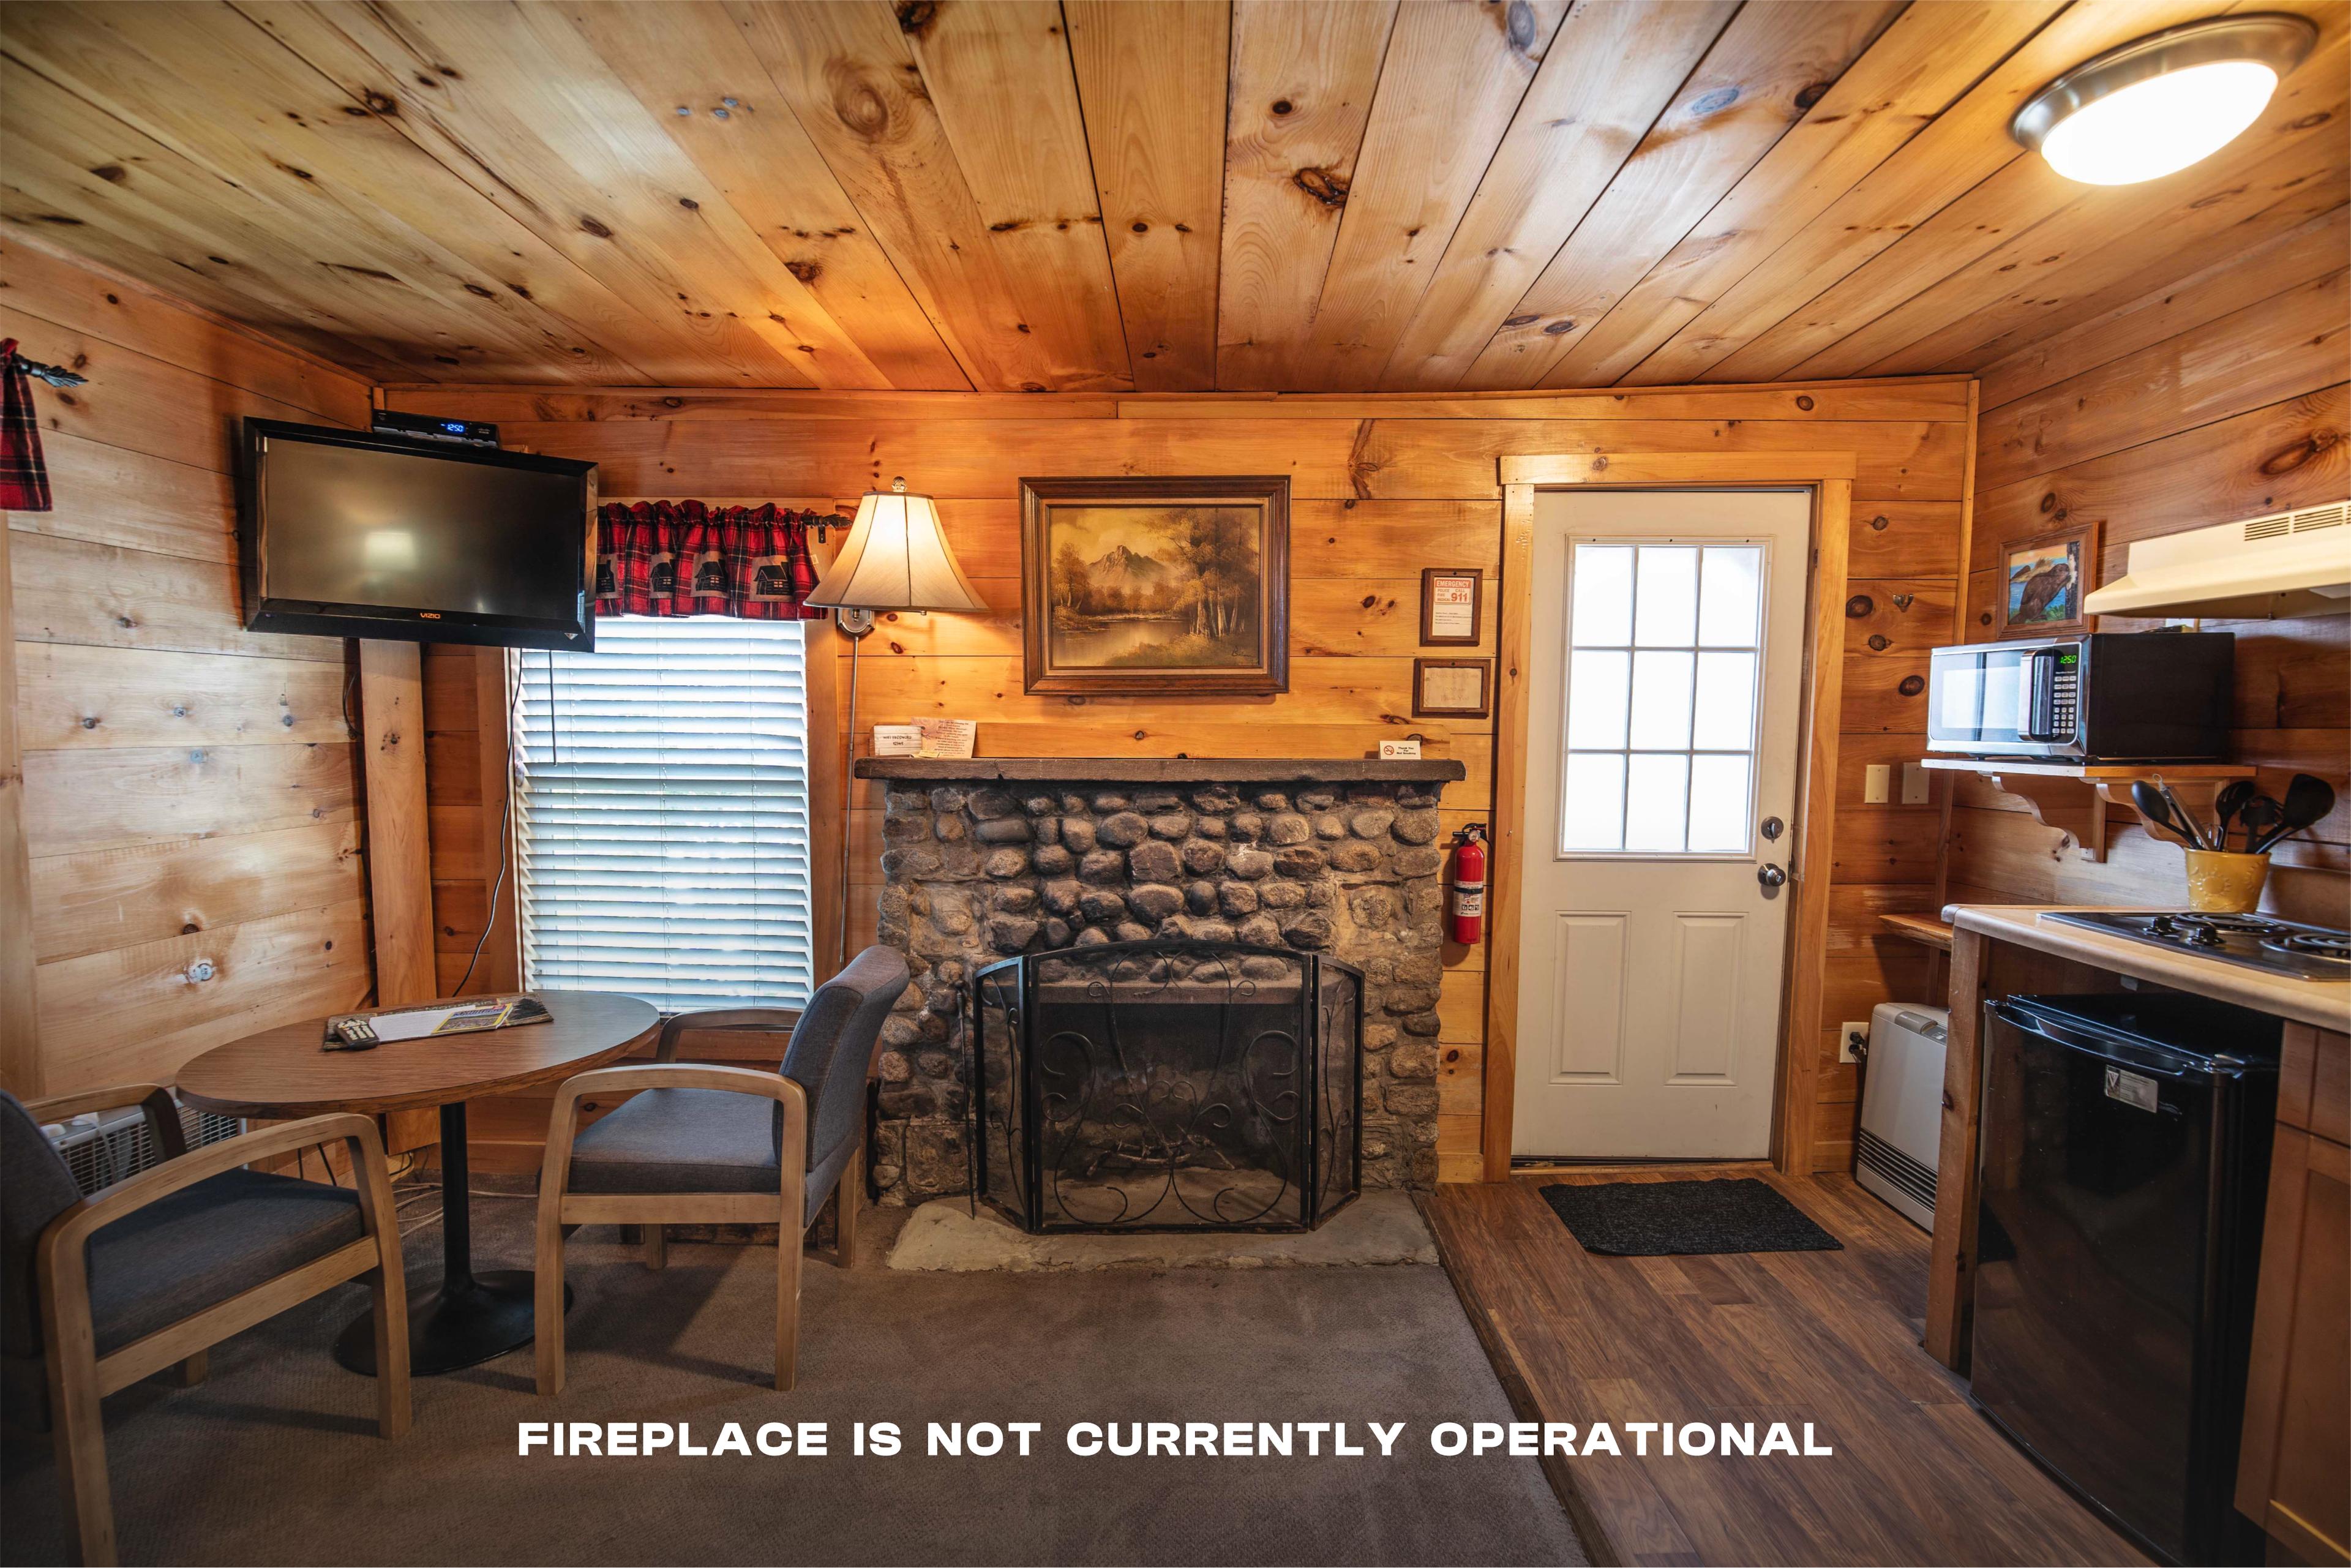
2194, 925
2333, 945
2256, 942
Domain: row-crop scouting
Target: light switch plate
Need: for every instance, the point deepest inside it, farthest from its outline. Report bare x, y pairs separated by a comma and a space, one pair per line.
1877, 783
1916, 783
1844, 1040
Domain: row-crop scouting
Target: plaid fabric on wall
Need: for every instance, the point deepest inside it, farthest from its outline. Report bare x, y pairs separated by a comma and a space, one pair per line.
683, 557
23, 479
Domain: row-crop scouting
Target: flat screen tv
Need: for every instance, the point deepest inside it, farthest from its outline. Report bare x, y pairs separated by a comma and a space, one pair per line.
348, 534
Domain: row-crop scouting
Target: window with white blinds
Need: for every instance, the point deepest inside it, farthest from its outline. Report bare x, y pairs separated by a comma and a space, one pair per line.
661, 808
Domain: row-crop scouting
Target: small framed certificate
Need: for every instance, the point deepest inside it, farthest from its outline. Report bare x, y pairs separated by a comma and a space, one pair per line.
1452, 604
1452, 688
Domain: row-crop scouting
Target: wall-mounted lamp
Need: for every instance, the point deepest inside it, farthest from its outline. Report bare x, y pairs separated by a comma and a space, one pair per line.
2156, 104
896, 558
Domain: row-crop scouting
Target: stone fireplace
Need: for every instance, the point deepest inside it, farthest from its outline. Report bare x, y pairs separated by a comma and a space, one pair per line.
988, 858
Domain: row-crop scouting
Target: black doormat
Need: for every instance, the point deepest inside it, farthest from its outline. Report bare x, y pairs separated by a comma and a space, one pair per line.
1653, 1218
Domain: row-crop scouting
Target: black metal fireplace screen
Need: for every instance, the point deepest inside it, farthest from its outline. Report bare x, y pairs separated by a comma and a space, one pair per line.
1168, 1085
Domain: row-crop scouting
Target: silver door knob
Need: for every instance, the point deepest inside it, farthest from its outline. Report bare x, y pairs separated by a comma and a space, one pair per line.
1771, 877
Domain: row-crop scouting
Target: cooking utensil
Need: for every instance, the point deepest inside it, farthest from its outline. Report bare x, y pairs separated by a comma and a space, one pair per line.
2307, 799
2156, 811
2225, 807
2258, 815
2180, 814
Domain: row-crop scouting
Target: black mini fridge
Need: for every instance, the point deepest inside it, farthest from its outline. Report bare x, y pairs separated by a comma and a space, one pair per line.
2125, 1158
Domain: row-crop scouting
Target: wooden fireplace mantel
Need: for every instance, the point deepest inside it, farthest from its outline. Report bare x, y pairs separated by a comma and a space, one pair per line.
1162, 769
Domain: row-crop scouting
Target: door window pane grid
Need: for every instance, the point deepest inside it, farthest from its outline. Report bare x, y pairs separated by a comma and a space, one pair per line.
1664, 650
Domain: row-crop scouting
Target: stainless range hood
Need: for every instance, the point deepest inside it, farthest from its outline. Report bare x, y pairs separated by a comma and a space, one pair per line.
2288, 563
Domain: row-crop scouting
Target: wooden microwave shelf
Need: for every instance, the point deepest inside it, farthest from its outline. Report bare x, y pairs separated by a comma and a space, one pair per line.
2073, 797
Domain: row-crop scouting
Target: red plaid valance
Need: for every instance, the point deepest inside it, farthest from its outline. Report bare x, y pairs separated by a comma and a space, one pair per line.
24, 481
682, 558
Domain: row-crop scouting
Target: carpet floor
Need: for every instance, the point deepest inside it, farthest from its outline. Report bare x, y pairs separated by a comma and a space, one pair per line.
275, 1460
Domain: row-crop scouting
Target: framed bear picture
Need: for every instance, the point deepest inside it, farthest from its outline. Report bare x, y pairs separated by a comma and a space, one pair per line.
2044, 581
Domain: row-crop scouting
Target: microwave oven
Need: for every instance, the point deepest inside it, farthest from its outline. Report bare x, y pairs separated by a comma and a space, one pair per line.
2100, 696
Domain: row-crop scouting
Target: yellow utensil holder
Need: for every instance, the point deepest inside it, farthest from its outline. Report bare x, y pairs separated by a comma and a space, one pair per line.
2221, 883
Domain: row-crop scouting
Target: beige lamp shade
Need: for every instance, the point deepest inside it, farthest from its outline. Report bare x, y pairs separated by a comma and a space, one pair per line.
896, 558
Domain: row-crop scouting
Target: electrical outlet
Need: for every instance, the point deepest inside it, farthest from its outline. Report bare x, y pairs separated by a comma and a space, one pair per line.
1845, 1033
1914, 789
1877, 783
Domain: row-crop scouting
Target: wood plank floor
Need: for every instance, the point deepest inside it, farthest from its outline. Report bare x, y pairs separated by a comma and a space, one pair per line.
1830, 1338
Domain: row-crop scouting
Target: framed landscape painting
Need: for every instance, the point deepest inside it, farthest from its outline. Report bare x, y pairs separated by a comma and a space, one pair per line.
1173, 587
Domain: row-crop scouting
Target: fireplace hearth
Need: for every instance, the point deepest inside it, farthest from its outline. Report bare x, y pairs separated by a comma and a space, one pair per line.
1168, 1085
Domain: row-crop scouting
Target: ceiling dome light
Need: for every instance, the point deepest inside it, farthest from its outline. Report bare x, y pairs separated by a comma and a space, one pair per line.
2159, 103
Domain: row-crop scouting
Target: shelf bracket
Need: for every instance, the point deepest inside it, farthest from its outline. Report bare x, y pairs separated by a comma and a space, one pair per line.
2062, 803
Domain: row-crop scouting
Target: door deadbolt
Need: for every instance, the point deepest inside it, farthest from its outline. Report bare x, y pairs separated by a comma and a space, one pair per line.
1773, 827
1771, 877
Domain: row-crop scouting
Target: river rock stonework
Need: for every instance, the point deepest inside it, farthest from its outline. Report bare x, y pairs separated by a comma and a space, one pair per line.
977, 872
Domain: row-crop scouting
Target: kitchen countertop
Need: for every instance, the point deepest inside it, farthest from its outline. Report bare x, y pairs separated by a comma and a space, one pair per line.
2323, 1003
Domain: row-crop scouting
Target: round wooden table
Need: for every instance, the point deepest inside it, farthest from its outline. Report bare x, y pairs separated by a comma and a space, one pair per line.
283, 1074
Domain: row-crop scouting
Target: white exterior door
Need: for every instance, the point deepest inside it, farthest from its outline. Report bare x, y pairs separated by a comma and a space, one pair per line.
1666, 658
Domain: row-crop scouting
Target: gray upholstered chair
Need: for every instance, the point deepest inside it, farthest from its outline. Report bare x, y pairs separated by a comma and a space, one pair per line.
721, 1145
150, 1272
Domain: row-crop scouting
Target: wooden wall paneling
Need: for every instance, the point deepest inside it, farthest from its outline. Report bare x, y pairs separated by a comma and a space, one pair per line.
174, 508
1356, 565
100, 900
189, 804
81, 299
400, 877
1299, 97
2299, 256
1452, 80
136, 1014
688, 54
1943, 397
1151, 78
20, 1041
2274, 349
136, 795
1609, 72
1740, 99
1923, 61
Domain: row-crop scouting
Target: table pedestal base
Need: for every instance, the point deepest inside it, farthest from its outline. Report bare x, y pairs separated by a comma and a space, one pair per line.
483, 1319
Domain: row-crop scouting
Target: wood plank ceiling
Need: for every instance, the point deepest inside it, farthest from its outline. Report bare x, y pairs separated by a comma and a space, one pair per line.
1148, 195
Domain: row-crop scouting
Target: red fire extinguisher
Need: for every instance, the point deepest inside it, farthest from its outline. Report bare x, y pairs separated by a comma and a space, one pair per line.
1470, 887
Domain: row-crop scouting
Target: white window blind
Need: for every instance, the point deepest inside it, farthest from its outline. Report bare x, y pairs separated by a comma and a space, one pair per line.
662, 813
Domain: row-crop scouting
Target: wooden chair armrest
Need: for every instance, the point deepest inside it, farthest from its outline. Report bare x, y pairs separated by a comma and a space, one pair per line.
563, 1120
61, 1239
750, 1019
154, 1102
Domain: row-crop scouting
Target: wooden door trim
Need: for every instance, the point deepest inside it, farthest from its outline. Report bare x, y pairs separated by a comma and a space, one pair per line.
1829, 476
